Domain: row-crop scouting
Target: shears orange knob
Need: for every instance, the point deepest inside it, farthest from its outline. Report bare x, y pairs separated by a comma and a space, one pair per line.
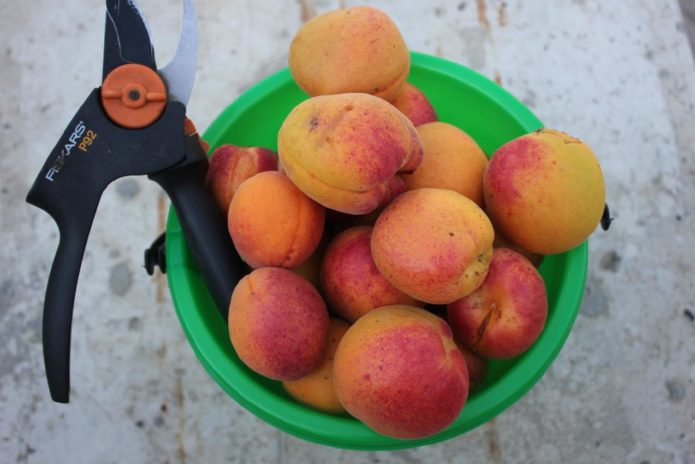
133, 96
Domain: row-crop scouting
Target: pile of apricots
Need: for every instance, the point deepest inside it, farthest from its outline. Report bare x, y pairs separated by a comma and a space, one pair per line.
389, 258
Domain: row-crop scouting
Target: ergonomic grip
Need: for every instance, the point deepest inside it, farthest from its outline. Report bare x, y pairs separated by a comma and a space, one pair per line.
60, 298
74, 224
204, 226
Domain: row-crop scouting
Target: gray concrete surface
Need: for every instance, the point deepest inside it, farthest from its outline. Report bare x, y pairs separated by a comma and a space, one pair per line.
617, 74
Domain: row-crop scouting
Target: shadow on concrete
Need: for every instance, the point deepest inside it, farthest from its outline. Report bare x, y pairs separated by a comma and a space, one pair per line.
688, 10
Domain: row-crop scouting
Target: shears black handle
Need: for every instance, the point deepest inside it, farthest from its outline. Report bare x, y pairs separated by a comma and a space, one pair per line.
60, 296
203, 225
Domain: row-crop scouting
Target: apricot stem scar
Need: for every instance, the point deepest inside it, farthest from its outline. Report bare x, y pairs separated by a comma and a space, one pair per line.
483, 326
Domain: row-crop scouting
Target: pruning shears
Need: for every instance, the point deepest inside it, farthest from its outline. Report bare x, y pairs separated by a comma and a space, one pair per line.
134, 124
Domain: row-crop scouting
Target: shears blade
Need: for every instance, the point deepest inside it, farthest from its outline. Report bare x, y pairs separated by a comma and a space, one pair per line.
126, 38
179, 73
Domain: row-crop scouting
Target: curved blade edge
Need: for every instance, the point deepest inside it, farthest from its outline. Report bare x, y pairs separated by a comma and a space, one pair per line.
179, 73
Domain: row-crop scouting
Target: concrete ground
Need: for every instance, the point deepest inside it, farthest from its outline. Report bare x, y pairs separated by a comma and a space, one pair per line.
617, 74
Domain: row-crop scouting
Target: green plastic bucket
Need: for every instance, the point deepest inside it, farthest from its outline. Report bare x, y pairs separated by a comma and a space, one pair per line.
461, 97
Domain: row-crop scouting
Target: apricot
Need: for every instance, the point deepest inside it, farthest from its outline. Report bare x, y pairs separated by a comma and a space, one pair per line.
453, 160
350, 281
433, 244
505, 316
278, 323
415, 105
357, 49
398, 370
545, 191
272, 223
343, 150
316, 389
231, 165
